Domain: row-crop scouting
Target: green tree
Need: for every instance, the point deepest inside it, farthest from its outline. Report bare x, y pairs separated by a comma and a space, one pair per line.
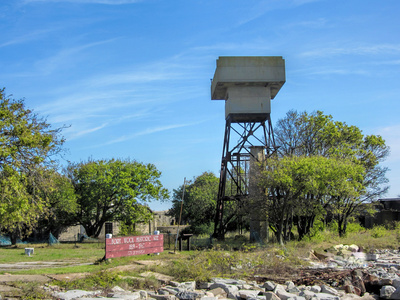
137, 213
109, 190
61, 205
28, 146
199, 203
297, 184
316, 134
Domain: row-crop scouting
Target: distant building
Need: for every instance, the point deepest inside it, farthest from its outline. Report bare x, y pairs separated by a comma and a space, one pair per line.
387, 211
160, 219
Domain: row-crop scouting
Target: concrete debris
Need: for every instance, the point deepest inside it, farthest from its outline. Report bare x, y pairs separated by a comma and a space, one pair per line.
356, 286
352, 256
75, 294
353, 276
386, 291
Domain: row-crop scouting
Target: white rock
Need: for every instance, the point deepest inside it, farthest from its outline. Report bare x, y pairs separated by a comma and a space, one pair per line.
350, 297
353, 248
269, 286
204, 285
307, 294
271, 296
396, 283
329, 290
262, 297
174, 283
143, 294
246, 294
279, 287
117, 289
386, 291
227, 281
396, 294
326, 296
126, 296
285, 295
316, 289
190, 285
75, 294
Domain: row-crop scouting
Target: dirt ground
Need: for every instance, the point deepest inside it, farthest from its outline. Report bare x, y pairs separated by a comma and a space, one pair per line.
7, 280
306, 276
27, 265
298, 276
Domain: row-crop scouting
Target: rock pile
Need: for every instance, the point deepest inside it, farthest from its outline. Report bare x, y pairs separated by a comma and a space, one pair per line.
219, 289
364, 276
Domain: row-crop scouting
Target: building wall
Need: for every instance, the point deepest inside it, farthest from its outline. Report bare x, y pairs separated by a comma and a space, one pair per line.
160, 218
387, 212
71, 234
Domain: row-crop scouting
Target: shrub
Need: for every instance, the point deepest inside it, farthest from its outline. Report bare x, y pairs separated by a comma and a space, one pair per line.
379, 231
354, 227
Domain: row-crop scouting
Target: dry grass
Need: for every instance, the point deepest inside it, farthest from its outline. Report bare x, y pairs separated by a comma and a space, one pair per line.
233, 258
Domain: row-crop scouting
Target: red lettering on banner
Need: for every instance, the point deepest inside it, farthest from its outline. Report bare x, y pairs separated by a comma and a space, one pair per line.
134, 245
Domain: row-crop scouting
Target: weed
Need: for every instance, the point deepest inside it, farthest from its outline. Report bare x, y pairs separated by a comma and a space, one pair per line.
354, 227
378, 231
31, 290
220, 261
103, 280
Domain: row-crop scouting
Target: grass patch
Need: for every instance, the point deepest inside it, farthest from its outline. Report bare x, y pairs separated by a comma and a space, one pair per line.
82, 253
105, 280
233, 258
206, 264
30, 290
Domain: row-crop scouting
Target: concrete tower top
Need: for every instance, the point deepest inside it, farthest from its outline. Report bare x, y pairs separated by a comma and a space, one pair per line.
247, 84
261, 71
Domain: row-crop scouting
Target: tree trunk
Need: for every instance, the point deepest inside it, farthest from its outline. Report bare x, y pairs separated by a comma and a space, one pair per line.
99, 227
342, 225
13, 238
304, 225
279, 232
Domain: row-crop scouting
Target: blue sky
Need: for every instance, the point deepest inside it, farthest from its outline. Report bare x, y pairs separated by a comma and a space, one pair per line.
132, 78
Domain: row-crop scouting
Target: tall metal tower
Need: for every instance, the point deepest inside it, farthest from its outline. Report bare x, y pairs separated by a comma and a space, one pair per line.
247, 84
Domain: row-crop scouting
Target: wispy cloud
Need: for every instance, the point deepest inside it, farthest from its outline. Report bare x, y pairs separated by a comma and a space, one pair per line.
112, 98
329, 70
140, 76
35, 35
107, 2
93, 108
387, 62
80, 133
264, 7
149, 131
302, 2
84, 124
317, 23
65, 56
354, 50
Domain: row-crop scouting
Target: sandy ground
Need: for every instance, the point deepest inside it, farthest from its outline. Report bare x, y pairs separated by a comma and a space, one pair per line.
7, 280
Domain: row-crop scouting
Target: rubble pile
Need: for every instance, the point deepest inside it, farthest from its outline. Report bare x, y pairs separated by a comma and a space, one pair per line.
377, 272
220, 288
340, 273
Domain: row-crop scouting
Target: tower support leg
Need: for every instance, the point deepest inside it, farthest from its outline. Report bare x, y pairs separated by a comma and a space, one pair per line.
234, 166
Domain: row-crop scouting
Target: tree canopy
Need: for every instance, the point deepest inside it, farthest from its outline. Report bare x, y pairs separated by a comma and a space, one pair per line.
110, 190
61, 205
301, 187
199, 203
322, 165
28, 146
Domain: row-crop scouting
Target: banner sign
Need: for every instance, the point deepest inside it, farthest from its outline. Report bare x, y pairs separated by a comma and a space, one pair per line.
134, 245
